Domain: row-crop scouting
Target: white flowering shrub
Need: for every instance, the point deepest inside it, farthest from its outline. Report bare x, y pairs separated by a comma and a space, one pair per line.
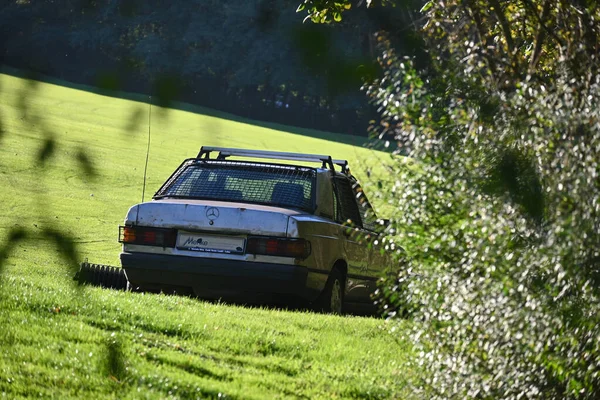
501, 218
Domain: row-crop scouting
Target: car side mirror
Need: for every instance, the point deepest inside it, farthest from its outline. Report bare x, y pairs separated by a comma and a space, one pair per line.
383, 222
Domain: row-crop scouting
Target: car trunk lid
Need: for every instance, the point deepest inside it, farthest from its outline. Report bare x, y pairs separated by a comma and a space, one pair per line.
212, 216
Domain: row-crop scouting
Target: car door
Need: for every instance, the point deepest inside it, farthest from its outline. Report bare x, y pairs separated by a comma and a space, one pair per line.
359, 283
379, 258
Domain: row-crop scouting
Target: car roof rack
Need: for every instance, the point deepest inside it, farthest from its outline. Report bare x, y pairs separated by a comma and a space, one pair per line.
224, 152
343, 164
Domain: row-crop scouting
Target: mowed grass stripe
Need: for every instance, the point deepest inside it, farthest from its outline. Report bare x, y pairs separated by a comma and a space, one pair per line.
57, 338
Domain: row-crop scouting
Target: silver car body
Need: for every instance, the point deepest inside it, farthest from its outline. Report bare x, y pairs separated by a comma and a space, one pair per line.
221, 266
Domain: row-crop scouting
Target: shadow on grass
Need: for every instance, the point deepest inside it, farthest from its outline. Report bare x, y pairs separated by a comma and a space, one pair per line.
189, 365
266, 302
163, 100
114, 362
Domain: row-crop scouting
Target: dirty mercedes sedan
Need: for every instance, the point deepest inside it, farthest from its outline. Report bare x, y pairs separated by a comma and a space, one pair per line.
228, 224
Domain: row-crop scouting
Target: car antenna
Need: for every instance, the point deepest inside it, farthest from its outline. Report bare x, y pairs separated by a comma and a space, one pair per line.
147, 154
148, 149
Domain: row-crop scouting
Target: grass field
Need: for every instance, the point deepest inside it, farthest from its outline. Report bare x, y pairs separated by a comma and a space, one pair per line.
62, 341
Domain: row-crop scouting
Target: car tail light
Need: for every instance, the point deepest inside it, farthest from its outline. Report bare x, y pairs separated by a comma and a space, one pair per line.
147, 236
283, 247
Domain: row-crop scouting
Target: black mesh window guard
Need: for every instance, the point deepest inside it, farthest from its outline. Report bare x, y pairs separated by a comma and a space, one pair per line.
247, 182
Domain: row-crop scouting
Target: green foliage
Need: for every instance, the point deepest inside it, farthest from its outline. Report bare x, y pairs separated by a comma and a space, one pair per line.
500, 221
328, 11
325, 11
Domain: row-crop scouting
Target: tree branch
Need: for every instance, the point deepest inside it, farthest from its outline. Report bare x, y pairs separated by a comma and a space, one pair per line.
507, 34
539, 37
505, 26
474, 14
542, 24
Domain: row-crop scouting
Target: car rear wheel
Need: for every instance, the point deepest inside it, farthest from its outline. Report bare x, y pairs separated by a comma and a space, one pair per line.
331, 301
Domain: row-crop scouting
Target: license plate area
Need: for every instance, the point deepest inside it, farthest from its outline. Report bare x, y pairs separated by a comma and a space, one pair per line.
208, 243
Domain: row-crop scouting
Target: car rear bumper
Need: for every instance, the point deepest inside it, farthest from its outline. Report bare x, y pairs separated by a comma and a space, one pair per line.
216, 278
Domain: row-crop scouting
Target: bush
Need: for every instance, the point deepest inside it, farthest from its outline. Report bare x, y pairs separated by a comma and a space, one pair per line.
502, 218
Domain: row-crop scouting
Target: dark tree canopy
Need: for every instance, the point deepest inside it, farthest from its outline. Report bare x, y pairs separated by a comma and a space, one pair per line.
246, 57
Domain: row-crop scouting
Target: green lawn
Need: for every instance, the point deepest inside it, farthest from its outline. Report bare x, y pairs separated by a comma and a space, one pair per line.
62, 341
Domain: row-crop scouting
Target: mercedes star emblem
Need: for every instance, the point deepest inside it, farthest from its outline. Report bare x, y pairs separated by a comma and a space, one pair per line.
212, 213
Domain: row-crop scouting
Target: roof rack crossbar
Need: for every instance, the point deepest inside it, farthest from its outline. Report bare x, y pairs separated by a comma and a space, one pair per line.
225, 152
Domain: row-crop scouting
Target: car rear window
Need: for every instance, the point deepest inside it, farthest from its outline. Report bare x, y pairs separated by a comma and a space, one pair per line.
277, 185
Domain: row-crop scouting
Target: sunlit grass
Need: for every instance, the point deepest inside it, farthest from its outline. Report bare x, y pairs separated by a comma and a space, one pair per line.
62, 341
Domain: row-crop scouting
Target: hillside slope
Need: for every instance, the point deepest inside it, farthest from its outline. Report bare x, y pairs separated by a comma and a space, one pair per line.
62, 341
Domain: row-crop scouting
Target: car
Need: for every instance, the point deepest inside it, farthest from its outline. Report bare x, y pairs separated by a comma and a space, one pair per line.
234, 224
